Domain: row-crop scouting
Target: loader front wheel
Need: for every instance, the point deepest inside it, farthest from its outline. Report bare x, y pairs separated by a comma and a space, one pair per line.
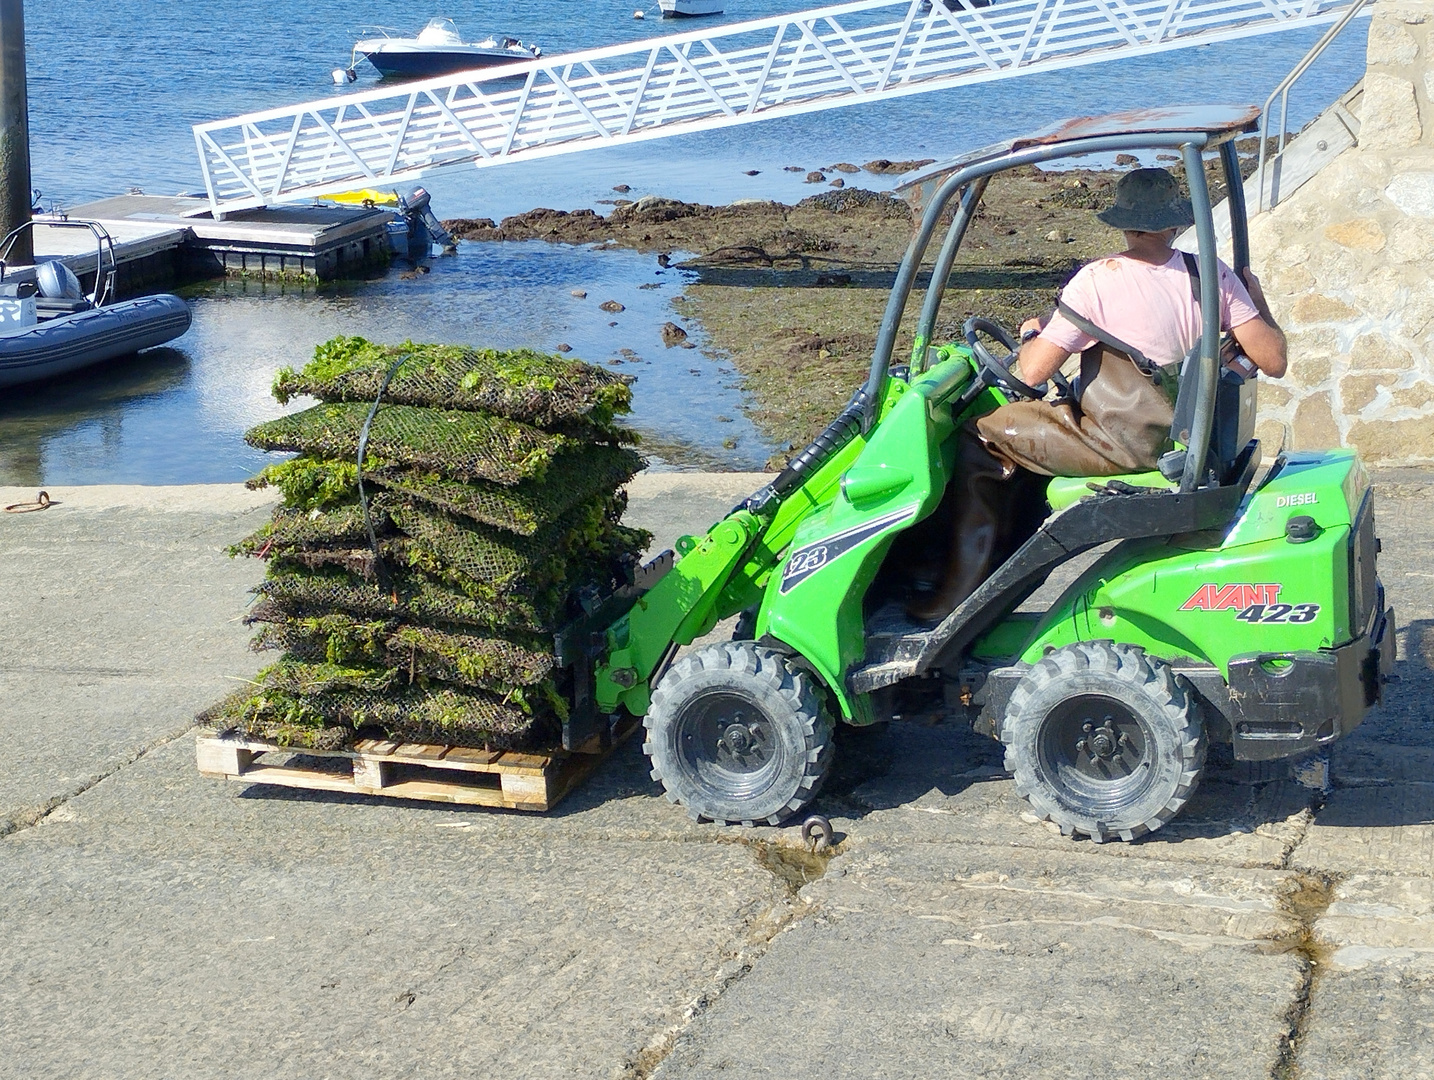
737, 733
1103, 740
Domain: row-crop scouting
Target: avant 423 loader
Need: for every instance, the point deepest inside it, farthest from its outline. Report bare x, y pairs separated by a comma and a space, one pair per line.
1220, 613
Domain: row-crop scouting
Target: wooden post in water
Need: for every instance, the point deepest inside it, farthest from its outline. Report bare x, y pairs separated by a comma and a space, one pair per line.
14, 130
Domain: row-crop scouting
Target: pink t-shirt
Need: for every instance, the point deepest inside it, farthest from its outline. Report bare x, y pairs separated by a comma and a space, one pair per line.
1147, 306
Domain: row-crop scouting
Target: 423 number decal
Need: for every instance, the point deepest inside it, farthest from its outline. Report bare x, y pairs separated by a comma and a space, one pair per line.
1256, 603
1279, 613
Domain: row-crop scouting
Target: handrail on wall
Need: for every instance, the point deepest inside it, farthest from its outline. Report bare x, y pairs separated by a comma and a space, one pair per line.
1282, 91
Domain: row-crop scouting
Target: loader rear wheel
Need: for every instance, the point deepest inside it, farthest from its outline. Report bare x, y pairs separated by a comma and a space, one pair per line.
736, 733
1103, 740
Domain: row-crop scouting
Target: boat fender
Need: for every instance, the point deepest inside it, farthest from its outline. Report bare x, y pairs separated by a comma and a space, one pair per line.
58, 282
344, 75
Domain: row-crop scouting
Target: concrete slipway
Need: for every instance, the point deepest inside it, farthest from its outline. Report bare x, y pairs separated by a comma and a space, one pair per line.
154, 923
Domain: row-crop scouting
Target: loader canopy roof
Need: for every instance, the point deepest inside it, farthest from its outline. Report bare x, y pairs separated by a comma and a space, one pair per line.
1218, 123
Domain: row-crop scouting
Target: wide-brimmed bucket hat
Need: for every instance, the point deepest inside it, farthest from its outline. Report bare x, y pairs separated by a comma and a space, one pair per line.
1148, 200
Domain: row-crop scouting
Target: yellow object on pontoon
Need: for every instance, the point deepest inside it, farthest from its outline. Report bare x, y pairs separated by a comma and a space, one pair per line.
365, 197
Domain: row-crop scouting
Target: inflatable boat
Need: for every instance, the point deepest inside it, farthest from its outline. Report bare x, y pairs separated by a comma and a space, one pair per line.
66, 342
51, 327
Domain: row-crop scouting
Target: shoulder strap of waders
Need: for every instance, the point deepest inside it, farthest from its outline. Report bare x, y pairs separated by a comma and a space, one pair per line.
1185, 396
1089, 364
1192, 267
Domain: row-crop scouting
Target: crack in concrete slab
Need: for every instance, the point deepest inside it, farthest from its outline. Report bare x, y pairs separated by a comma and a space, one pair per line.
32, 816
792, 868
1305, 903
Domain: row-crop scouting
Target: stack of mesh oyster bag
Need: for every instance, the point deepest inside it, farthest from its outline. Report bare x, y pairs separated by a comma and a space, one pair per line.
417, 596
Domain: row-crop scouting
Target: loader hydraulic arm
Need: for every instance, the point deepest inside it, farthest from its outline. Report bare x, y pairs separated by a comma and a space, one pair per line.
682, 606
725, 571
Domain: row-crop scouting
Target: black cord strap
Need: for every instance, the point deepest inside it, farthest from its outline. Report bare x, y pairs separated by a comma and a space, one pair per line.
380, 570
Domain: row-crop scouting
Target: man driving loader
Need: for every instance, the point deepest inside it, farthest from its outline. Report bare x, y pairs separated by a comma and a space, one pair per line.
1133, 317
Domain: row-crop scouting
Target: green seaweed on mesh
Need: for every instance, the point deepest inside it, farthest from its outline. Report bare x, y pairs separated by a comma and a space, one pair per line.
455, 656
276, 716
520, 384
574, 477
289, 530
303, 679
309, 483
437, 713
585, 549
301, 590
300, 709
462, 445
502, 561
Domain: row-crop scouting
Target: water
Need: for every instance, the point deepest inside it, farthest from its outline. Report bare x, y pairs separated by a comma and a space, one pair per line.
175, 415
115, 86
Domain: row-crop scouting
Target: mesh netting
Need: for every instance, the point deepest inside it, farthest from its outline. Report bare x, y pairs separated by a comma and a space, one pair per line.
519, 384
419, 651
416, 597
277, 717
493, 483
486, 565
467, 445
502, 560
574, 476
320, 706
298, 529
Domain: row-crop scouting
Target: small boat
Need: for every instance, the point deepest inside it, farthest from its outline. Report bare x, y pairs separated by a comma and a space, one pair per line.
437, 50
50, 327
673, 9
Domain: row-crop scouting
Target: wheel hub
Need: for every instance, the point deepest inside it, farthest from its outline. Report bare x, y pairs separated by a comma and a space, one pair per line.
1102, 743
1095, 748
738, 739
725, 732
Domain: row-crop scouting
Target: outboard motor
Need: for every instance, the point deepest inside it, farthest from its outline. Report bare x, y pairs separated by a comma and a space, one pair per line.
424, 228
57, 281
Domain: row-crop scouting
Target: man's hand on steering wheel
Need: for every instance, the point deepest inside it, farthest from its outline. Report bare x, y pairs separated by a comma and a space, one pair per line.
1001, 372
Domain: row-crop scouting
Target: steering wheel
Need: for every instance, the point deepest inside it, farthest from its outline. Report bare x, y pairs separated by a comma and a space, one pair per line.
1000, 371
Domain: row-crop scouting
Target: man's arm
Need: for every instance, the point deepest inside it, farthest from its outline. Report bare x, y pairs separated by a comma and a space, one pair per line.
1261, 339
1040, 359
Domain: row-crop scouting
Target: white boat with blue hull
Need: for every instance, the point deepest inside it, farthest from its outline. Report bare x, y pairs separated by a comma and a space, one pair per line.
687, 9
51, 327
437, 50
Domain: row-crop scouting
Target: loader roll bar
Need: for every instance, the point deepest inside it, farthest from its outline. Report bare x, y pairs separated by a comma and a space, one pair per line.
970, 180
1208, 371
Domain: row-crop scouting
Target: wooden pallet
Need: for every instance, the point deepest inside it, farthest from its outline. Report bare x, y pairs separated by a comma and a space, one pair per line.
449, 774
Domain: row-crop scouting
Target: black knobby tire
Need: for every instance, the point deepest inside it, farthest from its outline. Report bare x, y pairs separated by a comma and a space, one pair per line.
736, 733
1103, 740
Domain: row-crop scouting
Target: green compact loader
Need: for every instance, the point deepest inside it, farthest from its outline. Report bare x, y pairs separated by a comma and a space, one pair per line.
1217, 611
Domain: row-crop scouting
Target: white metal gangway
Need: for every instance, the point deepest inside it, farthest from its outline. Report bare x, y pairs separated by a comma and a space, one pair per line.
733, 74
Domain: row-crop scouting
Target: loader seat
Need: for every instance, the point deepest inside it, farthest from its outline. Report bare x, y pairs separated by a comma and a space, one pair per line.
1231, 432
1064, 491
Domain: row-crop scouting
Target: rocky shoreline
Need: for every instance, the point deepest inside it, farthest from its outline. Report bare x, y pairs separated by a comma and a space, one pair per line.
792, 295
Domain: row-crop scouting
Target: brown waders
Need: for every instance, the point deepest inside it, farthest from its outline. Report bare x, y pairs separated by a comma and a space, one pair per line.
1119, 422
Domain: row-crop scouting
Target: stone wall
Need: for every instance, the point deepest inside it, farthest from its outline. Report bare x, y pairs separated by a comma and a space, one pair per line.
1346, 263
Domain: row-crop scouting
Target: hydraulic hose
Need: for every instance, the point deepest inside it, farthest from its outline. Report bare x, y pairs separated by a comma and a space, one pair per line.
837, 434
